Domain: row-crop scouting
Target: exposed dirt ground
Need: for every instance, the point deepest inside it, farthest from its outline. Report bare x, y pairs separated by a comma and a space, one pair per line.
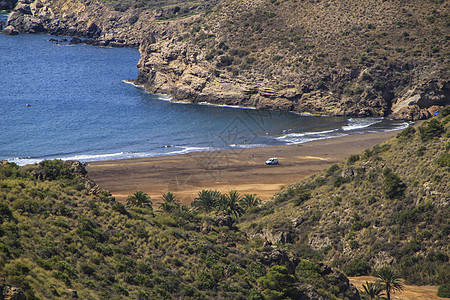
410, 292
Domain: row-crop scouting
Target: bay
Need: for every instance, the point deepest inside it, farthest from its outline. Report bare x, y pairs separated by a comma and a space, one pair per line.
73, 102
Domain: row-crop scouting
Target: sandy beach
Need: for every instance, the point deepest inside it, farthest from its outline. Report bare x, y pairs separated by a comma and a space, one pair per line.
243, 170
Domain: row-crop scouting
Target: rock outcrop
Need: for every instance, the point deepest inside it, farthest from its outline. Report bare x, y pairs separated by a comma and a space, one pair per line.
229, 54
8, 292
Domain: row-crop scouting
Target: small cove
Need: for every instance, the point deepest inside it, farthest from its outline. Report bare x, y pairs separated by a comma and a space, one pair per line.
80, 107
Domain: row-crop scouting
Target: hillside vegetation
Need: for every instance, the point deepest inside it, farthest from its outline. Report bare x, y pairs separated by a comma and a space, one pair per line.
63, 237
386, 206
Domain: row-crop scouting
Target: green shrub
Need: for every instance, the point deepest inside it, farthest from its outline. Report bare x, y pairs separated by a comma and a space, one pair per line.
301, 196
205, 280
133, 19
55, 169
12, 170
444, 290
444, 160
331, 170
431, 129
340, 181
352, 159
278, 283
357, 226
393, 185
445, 111
421, 151
356, 268
5, 213
306, 268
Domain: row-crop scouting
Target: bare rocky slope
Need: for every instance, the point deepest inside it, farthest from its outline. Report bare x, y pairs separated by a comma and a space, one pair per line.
334, 57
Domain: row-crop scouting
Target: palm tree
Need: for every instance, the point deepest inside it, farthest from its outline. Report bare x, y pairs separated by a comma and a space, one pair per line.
249, 200
230, 204
170, 203
139, 199
207, 200
373, 289
389, 281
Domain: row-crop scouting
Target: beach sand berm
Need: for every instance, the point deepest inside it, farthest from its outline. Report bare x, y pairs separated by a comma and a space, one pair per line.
243, 170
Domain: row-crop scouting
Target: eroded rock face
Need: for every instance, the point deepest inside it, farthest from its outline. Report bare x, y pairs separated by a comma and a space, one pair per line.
276, 236
317, 242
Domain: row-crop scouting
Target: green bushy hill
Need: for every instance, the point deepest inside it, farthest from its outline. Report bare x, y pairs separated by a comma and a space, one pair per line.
387, 206
63, 237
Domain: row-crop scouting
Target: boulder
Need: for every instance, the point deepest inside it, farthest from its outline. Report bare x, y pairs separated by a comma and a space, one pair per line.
276, 236
75, 41
318, 242
33, 25
77, 167
10, 30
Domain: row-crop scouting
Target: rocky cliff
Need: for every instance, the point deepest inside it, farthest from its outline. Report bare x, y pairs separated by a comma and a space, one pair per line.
377, 58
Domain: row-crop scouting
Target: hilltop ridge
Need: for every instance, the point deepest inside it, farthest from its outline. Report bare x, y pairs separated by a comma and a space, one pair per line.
371, 58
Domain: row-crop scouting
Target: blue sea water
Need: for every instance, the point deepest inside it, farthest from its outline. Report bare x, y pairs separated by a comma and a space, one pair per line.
81, 107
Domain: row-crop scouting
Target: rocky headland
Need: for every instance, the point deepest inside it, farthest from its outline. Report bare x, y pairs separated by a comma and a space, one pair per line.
331, 57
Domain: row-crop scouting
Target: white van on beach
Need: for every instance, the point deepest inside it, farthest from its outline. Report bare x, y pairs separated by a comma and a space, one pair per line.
272, 161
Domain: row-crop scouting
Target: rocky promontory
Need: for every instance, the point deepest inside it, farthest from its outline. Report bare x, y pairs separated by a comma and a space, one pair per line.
325, 57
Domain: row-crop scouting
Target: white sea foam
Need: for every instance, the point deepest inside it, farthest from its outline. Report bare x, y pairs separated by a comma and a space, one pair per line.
354, 124
82, 157
246, 146
303, 134
141, 86
185, 150
305, 139
399, 126
224, 105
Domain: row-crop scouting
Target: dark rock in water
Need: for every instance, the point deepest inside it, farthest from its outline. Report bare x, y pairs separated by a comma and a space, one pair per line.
75, 41
10, 30
63, 41
53, 40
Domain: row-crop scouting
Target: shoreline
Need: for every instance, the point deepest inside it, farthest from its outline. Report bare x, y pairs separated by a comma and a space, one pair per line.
240, 169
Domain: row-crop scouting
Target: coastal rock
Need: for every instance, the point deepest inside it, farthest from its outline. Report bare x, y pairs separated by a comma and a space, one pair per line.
75, 41
10, 30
